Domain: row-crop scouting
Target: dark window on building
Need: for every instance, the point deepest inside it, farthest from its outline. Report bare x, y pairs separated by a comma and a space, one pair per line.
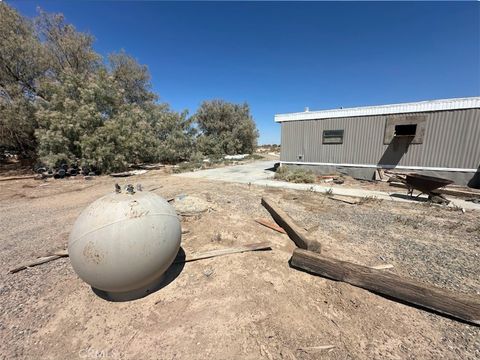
405, 130
332, 137
405, 126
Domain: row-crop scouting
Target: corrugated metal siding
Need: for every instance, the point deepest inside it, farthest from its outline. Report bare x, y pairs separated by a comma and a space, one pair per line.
452, 139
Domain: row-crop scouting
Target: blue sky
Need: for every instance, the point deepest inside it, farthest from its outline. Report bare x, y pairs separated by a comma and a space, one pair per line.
282, 56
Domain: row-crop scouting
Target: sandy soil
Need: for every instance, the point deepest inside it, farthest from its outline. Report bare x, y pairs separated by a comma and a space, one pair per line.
242, 306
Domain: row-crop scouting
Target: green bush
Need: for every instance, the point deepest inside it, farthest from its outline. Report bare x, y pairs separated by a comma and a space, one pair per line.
225, 128
295, 175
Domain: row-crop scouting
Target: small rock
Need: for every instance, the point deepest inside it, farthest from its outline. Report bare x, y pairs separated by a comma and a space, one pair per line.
208, 272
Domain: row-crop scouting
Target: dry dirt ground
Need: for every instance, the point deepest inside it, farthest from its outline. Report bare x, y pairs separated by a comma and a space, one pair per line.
241, 306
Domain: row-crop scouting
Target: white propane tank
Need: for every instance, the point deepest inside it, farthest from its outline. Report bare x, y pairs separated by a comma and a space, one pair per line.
124, 242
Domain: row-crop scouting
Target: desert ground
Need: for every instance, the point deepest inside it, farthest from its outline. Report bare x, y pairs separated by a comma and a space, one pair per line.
242, 306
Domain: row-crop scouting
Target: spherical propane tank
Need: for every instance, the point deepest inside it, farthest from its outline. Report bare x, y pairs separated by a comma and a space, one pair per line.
124, 242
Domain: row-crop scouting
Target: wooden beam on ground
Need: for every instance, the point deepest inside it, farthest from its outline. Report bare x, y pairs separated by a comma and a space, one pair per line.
270, 225
460, 306
17, 178
382, 267
39, 261
456, 192
346, 199
220, 252
444, 191
295, 232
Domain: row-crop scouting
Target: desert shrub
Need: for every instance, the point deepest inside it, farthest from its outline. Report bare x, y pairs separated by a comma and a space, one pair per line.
255, 157
225, 128
297, 175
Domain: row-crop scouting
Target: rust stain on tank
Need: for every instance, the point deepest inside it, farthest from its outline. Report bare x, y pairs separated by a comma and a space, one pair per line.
135, 210
91, 253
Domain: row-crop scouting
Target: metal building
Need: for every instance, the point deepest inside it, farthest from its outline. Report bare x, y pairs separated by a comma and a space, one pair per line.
438, 138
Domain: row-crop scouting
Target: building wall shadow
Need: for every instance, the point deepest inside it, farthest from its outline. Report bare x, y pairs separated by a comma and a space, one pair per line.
475, 180
395, 151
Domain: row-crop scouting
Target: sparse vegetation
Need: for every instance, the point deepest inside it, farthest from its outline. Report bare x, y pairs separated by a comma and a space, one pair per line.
298, 175
369, 200
255, 157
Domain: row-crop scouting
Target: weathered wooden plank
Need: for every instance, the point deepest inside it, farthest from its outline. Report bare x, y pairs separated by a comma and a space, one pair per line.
457, 305
270, 225
346, 199
295, 232
17, 178
39, 261
445, 191
227, 251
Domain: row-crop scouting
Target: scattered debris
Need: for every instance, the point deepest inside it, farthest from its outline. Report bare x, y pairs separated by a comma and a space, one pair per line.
295, 232
382, 267
187, 205
270, 225
399, 181
217, 237
338, 180
17, 178
59, 174
475, 200
457, 192
138, 172
150, 166
121, 174
41, 260
236, 157
460, 306
129, 173
227, 251
314, 348
345, 199
328, 191
208, 272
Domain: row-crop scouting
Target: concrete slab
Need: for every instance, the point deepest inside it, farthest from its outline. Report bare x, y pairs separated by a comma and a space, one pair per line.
261, 173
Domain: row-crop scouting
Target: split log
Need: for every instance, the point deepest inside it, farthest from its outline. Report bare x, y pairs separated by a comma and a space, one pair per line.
39, 261
227, 251
270, 225
295, 232
460, 306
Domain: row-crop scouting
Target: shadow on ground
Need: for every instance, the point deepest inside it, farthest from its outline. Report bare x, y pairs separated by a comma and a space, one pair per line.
408, 197
170, 275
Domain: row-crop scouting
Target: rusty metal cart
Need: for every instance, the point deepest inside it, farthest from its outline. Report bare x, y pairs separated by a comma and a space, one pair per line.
427, 185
